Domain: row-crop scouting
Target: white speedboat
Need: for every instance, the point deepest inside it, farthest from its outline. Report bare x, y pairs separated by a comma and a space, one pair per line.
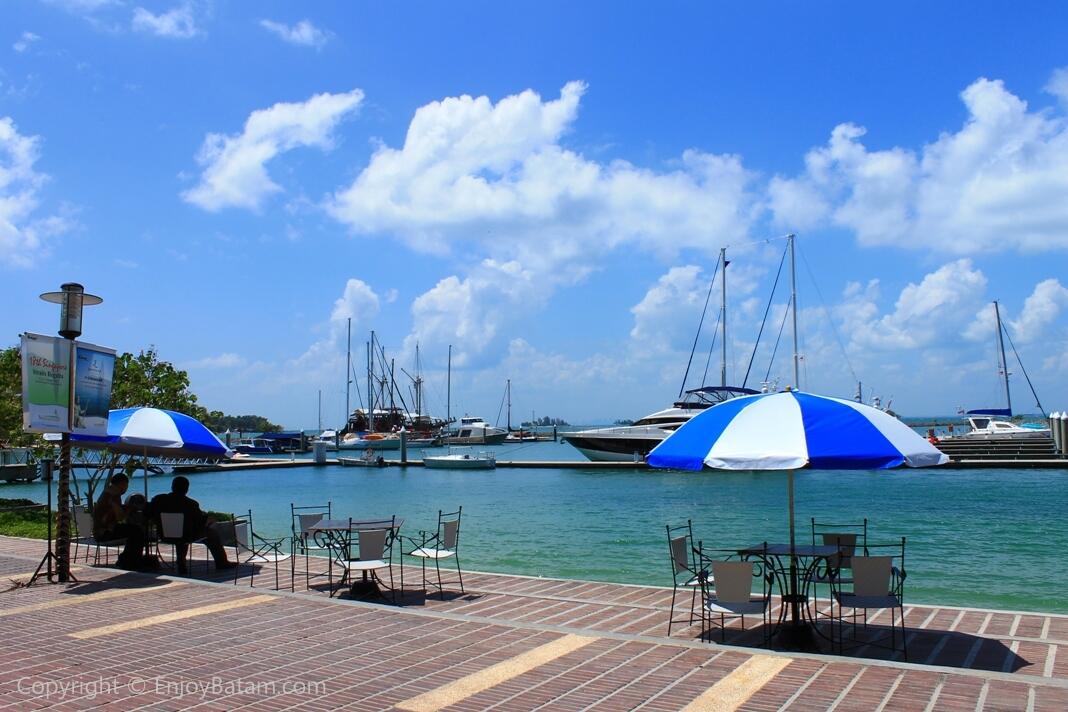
370, 441
461, 459
475, 431
984, 428
631, 443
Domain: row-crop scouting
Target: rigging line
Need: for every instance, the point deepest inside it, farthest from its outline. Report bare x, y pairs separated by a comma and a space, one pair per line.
834, 329
1028, 378
497, 422
699, 325
775, 350
711, 348
767, 309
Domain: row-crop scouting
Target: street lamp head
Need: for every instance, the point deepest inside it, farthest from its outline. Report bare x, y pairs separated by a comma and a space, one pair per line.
72, 298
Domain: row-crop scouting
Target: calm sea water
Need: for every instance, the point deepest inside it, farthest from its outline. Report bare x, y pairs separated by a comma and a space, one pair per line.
986, 538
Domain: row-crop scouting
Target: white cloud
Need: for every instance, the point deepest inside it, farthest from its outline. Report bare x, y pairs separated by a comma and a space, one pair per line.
1058, 84
1040, 310
323, 359
234, 166
499, 176
358, 302
82, 6
24, 41
925, 314
177, 23
996, 184
224, 360
23, 236
666, 317
303, 33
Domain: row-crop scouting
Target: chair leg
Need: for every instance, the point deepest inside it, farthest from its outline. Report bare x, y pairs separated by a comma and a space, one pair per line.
671, 611
441, 588
458, 574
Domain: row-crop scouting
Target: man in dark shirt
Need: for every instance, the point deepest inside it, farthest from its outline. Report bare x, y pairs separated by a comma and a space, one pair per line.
195, 524
110, 523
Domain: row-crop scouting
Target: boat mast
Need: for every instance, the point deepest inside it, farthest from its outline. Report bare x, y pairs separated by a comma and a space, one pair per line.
723, 318
320, 410
793, 302
370, 385
1004, 362
448, 390
508, 389
348, 371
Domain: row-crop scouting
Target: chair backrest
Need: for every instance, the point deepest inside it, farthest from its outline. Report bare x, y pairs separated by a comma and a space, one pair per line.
847, 547
172, 525
83, 520
734, 580
680, 546
304, 517
871, 575
449, 528
373, 544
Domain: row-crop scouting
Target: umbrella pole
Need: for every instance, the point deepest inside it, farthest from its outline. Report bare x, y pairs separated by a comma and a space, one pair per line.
144, 470
794, 612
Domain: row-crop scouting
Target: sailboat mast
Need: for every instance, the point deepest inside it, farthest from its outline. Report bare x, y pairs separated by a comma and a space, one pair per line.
448, 390
1004, 362
508, 388
370, 385
723, 318
320, 410
348, 370
793, 302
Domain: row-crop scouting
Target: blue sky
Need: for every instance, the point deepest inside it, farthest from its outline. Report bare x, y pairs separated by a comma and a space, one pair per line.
545, 186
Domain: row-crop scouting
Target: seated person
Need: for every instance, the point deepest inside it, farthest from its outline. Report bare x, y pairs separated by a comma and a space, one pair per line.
111, 522
196, 524
136, 504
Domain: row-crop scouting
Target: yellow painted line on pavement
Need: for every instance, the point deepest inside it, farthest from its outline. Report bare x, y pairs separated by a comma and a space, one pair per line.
73, 599
743, 682
170, 617
503, 671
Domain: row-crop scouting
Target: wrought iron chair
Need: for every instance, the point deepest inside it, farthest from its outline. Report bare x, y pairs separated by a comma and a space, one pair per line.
172, 531
685, 572
375, 552
878, 582
303, 542
848, 538
257, 549
733, 595
83, 524
443, 544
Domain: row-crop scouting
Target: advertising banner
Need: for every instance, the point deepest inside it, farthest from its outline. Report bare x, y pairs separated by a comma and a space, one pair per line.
46, 381
94, 367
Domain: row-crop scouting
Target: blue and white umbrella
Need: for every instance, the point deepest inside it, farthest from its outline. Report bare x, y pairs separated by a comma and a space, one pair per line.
790, 430
154, 431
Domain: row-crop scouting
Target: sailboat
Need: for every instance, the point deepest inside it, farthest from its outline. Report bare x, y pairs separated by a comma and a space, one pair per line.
982, 422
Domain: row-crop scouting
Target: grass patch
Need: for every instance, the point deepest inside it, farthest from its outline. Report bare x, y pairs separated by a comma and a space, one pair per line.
25, 518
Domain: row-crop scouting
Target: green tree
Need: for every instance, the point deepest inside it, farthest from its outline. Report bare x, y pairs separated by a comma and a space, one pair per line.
11, 400
145, 380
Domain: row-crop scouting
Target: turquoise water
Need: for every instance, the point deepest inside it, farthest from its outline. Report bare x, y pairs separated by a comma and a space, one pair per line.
985, 538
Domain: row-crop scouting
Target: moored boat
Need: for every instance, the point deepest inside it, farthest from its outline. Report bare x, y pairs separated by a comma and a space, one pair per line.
462, 458
475, 431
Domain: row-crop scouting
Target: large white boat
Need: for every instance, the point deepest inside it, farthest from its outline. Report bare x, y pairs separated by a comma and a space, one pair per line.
461, 458
983, 428
475, 431
633, 442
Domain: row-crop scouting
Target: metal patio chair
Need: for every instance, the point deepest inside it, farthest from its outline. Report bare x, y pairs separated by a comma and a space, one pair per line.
684, 568
374, 546
878, 582
733, 595
848, 538
254, 548
443, 544
83, 524
303, 542
172, 531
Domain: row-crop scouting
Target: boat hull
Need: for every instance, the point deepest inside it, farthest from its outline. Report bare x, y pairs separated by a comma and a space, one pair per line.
628, 444
492, 439
457, 462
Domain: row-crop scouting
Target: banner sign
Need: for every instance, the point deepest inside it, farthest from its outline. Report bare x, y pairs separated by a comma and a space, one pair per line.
94, 367
46, 384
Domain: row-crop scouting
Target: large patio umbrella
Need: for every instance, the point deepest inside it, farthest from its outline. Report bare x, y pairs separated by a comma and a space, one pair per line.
152, 431
788, 431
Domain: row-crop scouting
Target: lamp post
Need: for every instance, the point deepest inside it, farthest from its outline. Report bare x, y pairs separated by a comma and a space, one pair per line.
72, 298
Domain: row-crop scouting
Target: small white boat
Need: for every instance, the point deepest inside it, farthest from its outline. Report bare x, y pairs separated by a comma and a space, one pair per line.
370, 441
369, 459
990, 429
462, 459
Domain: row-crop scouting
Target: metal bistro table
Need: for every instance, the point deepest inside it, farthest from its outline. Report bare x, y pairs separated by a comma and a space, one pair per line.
335, 535
793, 569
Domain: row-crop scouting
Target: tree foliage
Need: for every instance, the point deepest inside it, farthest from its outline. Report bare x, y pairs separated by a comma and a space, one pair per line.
145, 380
219, 422
11, 400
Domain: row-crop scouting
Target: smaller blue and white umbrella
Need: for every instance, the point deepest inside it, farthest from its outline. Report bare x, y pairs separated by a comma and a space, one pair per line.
152, 431
791, 430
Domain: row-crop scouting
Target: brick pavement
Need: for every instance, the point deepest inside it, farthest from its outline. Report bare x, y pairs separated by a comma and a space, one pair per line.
510, 643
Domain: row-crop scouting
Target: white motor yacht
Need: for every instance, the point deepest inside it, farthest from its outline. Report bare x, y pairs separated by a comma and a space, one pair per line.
984, 428
631, 443
475, 431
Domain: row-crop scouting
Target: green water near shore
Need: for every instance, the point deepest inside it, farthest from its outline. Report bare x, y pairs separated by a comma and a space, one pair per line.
984, 538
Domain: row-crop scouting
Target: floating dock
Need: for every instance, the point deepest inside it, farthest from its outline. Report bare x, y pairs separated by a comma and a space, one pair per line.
251, 464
